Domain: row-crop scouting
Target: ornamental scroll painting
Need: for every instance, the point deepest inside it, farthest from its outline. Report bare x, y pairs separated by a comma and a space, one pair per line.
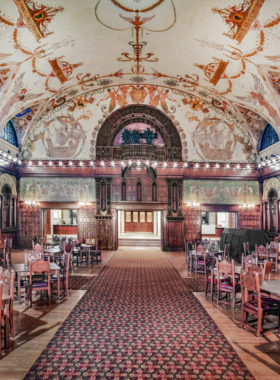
58, 189
222, 192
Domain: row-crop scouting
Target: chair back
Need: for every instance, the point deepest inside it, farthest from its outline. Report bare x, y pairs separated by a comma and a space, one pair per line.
39, 266
253, 269
8, 280
68, 248
267, 270
209, 263
198, 242
249, 260
8, 245
200, 250
261, 251
43, 240
63, 238
33, 256
35, 239
226, 251
226, 269
250, 284
213, 246
55, 239
273, 247
62, 245
246, 247
38, 248
206, 242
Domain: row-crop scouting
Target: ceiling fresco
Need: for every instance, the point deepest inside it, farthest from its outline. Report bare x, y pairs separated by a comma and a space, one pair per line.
214, 69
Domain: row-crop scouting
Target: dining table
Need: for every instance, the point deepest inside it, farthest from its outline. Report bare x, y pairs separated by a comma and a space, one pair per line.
23, 270
53, 251
271, 288
5, 304
86, 247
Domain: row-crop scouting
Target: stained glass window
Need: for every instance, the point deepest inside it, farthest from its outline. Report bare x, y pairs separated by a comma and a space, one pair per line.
9, 134
269, 137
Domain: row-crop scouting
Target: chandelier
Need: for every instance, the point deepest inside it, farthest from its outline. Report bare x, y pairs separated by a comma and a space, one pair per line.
85, 205
246, 207
193, 204
32, 203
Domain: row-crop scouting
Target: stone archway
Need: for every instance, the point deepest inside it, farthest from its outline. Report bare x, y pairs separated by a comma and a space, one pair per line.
138, 114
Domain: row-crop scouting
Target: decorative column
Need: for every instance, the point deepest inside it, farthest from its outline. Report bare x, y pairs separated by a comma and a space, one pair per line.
169, 185
261, 205
98, 196
108, 184
180, 184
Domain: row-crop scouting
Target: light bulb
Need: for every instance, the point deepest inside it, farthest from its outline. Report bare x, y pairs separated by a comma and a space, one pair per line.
70, 163
164, 164
40, 163
50, 163
207, 165
175, 164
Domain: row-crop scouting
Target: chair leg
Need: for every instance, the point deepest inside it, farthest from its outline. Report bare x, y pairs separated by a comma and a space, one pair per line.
30, 296
12, 320
49, 295
260, 317
233, 299
242, 318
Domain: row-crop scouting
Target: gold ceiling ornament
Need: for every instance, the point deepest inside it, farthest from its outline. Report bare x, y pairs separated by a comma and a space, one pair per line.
147, 9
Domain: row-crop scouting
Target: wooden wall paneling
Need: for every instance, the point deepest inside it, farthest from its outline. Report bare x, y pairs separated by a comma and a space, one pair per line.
192, 224
116, 189
86, 223
30, 224
104, 231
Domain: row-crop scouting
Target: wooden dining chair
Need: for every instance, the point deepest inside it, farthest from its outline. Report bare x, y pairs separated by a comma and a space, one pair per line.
248, 260
68, 249
206, 243
213, 247
267, 270
226, 270
261, 253
226, 252
246, 248
8, 252
31, 256
37, 268
209, 264
64, 275
255, 306
200, 251
8, 280
76, 246
3, 252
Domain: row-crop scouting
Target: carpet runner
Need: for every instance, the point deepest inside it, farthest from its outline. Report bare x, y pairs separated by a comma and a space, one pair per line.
80, 282
138, 320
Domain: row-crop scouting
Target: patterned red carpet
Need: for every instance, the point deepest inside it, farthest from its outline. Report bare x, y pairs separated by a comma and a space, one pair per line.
80, 282
138, 320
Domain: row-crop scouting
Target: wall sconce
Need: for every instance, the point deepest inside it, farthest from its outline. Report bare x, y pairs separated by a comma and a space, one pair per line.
246, 207
32, 203
85, 205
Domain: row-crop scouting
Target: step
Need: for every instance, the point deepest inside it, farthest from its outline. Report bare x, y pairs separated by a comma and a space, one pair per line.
139, 243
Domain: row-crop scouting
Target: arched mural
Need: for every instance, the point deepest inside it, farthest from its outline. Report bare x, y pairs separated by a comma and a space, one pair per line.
7, 179
272, 183
208, 131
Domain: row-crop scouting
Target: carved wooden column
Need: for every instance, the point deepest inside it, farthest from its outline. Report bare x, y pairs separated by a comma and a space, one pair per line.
261, 205
98, 195
180, 185
108, 183
169, 185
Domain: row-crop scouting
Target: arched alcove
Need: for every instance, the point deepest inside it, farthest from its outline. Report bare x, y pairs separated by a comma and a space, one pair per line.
144, 114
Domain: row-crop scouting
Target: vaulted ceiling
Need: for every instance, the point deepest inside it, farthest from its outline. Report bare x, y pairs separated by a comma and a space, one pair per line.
70, 63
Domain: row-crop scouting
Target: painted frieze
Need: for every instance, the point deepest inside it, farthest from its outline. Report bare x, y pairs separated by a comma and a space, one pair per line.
57, 189
221, 192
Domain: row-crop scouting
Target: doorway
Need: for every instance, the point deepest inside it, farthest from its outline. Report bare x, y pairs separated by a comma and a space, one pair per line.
214, 223
139, 228
60, 223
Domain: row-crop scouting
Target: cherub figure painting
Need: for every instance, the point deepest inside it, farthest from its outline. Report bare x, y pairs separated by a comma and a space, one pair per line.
20, 95
257, 96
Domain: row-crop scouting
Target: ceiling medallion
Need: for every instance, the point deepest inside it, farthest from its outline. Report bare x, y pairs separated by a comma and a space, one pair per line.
146, 3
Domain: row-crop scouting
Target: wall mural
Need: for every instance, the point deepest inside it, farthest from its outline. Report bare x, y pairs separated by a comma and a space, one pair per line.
145, 67
271, 183
10, 180
209, 131
222, 192
57, 189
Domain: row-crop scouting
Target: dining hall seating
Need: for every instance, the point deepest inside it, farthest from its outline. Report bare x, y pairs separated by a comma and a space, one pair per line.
64, 274
7, 279
253, 305
39, 268
226, 269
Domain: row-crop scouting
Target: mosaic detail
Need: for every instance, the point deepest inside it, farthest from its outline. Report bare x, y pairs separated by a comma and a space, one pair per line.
222, 192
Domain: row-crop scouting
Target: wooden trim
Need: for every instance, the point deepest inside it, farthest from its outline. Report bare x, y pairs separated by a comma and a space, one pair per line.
127, 206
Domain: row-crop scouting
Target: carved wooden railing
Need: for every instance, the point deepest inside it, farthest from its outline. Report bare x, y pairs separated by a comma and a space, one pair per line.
152, 152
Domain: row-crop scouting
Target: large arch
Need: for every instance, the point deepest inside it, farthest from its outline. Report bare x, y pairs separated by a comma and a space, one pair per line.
139, 113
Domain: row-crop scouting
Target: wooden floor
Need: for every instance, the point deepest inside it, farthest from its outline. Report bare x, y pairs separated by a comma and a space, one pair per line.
35, 327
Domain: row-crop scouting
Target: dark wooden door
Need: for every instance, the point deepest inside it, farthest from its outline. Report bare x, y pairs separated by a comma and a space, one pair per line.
139, 221
47, 222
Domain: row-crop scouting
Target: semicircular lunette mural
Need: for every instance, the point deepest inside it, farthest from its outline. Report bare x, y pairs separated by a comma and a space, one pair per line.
139, 133
208, 132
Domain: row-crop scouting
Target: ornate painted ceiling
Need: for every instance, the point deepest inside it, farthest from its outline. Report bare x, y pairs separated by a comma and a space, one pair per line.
65, 65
